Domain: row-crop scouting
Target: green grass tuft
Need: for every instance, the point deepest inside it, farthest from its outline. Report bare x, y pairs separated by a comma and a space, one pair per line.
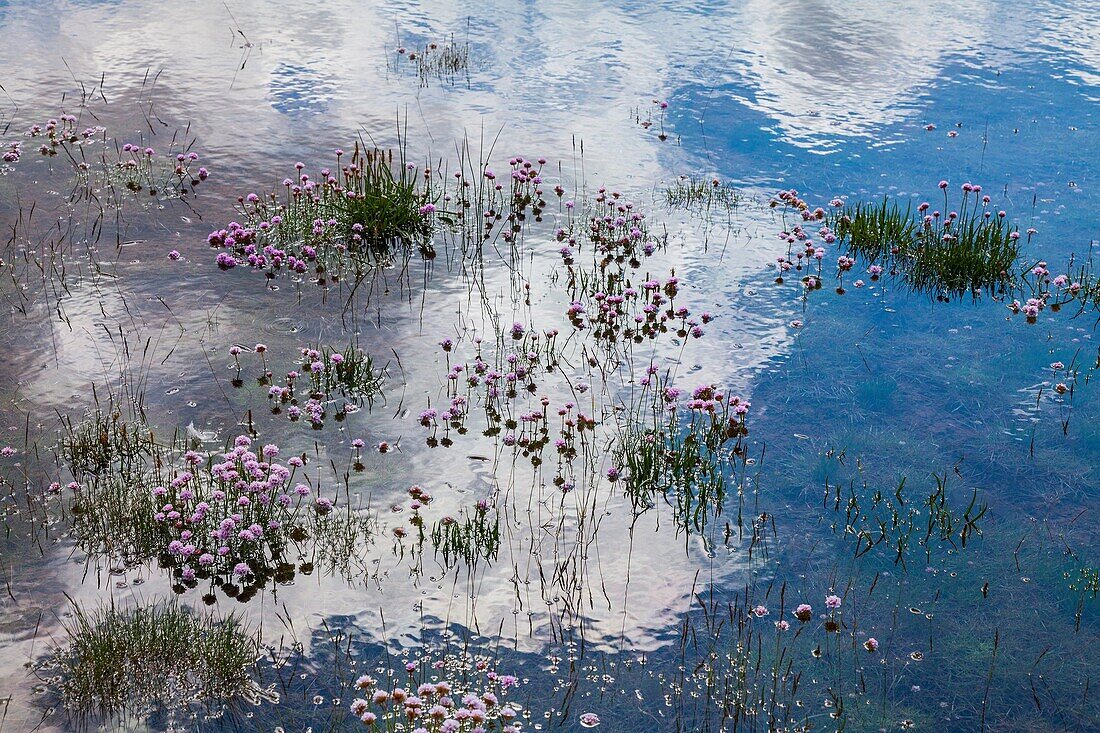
159, 658
977, 251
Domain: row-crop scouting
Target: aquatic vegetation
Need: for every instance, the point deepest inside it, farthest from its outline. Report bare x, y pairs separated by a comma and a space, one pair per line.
900, 523
340, 543
344, 221
503, 387
444, 61
635, 314
468, 538
104, 168
616, 229
449, 695
154, 659
111, 516
564, 319
1077, 285
481, 205
698, 194
345, 379
955, 252
964, 251
236, 520
758, 662
647, 121
679, 451
107, 442
139, 169
12, 152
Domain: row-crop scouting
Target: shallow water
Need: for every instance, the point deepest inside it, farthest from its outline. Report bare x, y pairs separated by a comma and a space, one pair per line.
829, 98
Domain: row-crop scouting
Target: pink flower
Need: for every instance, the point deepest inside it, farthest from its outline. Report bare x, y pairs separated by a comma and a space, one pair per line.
871, 644
589, 720
832, 602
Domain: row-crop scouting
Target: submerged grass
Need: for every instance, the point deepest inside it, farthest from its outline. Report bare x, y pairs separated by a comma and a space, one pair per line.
159, 658
899, 520
689, 192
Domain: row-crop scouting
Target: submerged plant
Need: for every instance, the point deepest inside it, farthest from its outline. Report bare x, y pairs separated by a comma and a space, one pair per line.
698, 194
155, 659
899, 521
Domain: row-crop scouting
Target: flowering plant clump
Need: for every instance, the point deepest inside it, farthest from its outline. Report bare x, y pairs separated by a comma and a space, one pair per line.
1042, 289
58, 134
946, 252
483, 205
344, 379
234, 521
139, 168
680, 450
11, 154
617, 231
503, 383
105, 168
636, 314
338, 222
456, 694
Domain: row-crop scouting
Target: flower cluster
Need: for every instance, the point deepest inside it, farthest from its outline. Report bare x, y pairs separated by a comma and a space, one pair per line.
233, 519
346, 379
468, 697
636, 314
57, 134
944, 252
341, 220
616, 229
12, 153
139, 168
